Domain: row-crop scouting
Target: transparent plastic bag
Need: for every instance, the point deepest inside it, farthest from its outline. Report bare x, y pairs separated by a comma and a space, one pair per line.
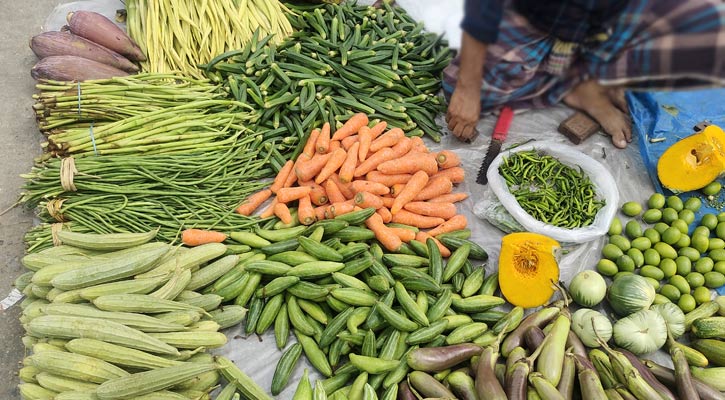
493, 211
602, 180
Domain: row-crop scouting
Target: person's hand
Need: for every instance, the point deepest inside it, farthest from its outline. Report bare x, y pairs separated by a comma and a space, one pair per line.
464, 110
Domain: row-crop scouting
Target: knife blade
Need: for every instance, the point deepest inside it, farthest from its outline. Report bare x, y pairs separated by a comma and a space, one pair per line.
500, 131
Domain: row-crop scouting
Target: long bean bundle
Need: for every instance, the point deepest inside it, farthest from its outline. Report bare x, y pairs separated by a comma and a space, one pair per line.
341, 60
143, 192
550, 190
70, 104
181, 34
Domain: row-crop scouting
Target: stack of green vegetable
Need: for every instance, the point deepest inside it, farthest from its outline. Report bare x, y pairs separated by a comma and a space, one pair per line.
341, 60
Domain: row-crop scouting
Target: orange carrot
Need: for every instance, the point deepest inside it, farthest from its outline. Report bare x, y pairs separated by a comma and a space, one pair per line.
285, 195
448, 159
333, 164
409, 191
334, 145
305, 211
396, 189
384, 214
402, 147
423, 236
449, 198
441, 210
351, 127
282, 212
323, 140
374, 160
387, 180
253, 201
417, 220
292, 178
281, 177
385, 236
320, 212
366, 137
419, 144
405, 235
347, 170
340, 208
409, 164
455, 174
269, 211
349, 141
367, 186
308, 169
333, 192
388, 139
387, 201
365, 200
345, 187
317, 192
457, 222
310, 145
196, 237
377, 129
434, 188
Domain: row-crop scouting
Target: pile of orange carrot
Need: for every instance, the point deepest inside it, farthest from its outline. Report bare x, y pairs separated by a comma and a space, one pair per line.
360, 166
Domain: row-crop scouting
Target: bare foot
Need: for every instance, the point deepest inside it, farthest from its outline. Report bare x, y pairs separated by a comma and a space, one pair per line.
606, 106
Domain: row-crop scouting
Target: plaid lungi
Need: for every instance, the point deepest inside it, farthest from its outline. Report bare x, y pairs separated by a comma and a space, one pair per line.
651, 45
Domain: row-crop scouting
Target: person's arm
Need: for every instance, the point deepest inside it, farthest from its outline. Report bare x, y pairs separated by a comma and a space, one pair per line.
480, 27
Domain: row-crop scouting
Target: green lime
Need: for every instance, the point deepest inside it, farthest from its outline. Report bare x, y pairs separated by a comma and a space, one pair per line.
668, 267
714, 279
653, 282
700, 243
620, 241
693, 204
661, 227
684, 265
671, 292
712, 188
665, 250
716, 244
719, 267
701, 230
695, 279
652, 235
701, 295
621, 274
709, 220
686, 215
615, 228
686, 303
720, 229
704, 265
633, 229
636, 256
683, 242
681, 224
660, 299
650, 271
668, 215
631, 208
625, 263
641, 243
717, 255
690, 253
607, 267
675, 203
721, 217
680, 283
651, 257
657, 200
611, 251
671, 235
652, 215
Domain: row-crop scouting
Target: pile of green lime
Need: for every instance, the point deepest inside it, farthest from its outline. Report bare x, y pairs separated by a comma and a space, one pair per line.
656, 244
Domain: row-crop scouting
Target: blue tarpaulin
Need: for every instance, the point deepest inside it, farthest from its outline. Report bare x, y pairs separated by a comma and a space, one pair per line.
660, 119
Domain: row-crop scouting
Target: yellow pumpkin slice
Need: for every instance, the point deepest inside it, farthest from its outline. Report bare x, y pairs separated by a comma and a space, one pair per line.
693, 162
528, 268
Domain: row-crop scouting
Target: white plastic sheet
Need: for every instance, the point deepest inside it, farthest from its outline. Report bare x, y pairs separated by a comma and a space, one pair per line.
258, 356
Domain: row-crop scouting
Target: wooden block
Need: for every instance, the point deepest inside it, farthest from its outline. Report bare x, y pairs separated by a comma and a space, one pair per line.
578, 127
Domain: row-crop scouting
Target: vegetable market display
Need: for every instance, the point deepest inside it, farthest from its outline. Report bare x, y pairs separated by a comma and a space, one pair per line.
358, 250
